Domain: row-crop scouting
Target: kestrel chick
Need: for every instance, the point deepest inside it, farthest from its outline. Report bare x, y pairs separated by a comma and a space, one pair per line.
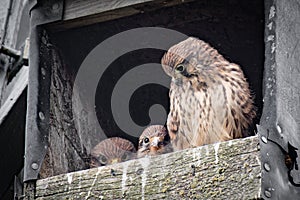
110, 151
210, 100
153, 141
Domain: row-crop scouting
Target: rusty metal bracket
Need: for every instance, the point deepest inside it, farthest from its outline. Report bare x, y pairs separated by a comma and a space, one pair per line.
38, 103
37, 123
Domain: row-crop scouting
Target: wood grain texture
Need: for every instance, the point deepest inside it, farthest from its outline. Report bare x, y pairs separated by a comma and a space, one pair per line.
3, 14
79, 8
82, 13
13, 95
16, 88
228, 170
9, 27
65, 151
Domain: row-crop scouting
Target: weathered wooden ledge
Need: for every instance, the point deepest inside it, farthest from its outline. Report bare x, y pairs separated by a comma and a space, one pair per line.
228, 170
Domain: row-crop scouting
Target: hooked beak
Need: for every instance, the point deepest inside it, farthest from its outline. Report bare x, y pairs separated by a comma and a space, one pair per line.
154, 144
153, 148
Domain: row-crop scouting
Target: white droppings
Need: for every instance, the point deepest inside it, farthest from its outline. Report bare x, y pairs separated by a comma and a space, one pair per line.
230, 143
197, 156
93, 184
273, 67
216, 147
270, 38
279, 129
124, 176
194, 154
70, 178
258, 160
273, 47
160, 184
272, 12
270, 25
145, 162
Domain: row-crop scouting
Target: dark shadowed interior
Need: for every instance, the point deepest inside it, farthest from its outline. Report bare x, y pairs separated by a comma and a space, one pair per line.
235, 28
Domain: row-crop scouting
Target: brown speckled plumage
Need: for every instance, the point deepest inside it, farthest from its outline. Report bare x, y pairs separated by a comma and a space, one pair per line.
210, 99
153, 141
112, 150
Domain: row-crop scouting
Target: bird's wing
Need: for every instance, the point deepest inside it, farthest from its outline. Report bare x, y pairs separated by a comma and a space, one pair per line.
218, 114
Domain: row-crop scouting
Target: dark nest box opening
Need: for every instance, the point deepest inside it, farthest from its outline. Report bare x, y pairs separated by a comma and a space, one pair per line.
235, 28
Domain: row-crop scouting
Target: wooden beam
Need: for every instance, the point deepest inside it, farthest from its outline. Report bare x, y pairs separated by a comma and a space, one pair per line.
228, 170
17, 86
82, 13
79, 8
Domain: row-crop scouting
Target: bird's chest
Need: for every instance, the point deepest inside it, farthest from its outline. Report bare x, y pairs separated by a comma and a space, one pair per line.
198, 108
190, 104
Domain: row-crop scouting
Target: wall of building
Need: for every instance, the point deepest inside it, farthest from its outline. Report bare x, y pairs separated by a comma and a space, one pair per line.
14, 29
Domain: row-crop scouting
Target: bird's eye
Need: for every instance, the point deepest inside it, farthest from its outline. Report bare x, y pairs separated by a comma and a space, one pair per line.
124, 157
102, 159
146, 140
180, 68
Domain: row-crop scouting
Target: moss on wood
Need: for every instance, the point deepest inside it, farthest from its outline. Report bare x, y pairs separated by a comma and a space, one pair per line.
228, 170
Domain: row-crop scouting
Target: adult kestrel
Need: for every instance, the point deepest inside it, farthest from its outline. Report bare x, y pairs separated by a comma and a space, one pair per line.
110, 151
210, 100
153, 141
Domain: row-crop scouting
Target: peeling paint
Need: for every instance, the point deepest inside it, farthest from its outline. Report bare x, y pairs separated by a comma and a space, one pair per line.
216, 147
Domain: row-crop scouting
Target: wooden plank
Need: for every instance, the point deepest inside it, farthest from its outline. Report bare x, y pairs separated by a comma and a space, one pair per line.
228, 170
82, 13
3, 14
13, 96
14, 23
78, 8
16, 87
10, 37
3, 21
